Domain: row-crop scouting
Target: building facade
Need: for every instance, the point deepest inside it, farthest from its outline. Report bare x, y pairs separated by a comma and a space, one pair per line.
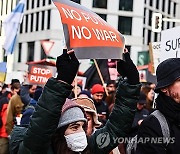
131, 17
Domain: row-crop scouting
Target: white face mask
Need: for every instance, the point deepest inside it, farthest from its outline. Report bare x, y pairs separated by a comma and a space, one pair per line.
76, 142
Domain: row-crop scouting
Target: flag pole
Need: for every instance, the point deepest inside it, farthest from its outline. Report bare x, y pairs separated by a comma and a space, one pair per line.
100, 75
75, 87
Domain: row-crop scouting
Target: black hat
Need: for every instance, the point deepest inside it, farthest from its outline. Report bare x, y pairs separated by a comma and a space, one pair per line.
142, 98
167, 72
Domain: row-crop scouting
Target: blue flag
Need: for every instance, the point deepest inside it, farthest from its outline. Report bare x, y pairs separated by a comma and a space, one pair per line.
3, 67
11, 26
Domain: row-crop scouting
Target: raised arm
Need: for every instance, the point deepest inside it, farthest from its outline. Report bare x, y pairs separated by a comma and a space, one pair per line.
121, 118
47, 113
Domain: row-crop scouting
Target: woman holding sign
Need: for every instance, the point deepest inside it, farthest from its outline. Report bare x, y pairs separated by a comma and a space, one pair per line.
58, 125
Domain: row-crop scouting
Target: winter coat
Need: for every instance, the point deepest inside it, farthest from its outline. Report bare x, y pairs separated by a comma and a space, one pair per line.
15, 107
151, 128
140, 115
45, 119
3, 113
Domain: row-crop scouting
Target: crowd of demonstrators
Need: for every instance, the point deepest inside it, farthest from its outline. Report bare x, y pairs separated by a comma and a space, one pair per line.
65, 124
168, 106
59, 125
12, 105
4, 100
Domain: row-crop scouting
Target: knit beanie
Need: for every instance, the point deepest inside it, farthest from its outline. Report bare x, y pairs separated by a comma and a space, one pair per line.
167, 72
85, 92
97, 88
71, 112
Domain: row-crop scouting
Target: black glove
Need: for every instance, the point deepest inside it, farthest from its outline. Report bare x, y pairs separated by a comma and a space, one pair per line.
67, 66
126, 68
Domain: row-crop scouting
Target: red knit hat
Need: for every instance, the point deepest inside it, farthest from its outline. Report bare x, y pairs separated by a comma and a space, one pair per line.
97, 88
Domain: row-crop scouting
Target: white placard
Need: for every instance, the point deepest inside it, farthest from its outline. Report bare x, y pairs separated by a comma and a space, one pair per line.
170, 43
156, 49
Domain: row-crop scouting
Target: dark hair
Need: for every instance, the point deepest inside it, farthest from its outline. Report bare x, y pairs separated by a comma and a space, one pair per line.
111, 82
15, 85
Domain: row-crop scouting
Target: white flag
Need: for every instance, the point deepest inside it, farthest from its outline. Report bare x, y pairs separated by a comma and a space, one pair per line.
11, 25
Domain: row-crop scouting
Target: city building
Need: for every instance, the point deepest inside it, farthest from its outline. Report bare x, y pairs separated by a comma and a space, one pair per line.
131, 17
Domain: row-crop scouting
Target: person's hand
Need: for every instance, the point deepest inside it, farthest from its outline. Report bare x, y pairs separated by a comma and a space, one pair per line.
67, 66
126, 68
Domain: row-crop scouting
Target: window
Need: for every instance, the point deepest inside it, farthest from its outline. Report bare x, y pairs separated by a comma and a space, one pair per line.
27, 5
44, 2
149, 36
42, 25
37, 21
125, 25
100, 4
19, 54
126, 5
163, 5
155, 37
76, 1
157, 4
32, 4
174, 24
150, 17
144, 18
48, 24
49, 1
168, 25
38, 3
21, 27
169, 6
174, 10
30, 51
143, 35
103, 16
151, 3
26, 27
32, 19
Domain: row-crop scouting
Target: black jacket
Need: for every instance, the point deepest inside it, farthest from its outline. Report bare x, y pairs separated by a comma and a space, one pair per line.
45, 119
150, 127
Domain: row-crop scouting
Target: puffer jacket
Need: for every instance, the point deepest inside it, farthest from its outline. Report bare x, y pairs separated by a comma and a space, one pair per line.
45, 119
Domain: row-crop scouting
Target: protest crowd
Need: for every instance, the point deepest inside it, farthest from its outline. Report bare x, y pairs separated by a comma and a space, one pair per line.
51, 119
116, 116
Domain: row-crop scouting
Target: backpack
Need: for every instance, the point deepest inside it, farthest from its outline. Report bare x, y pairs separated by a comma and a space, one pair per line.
132, 145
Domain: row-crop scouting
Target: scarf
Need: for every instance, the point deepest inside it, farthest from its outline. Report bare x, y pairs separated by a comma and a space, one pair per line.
167, 106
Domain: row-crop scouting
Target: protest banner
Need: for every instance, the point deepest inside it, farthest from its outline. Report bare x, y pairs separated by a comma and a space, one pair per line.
81, 81
113, 73
142, 76
39, 74
154, 51
87, 33
170, 43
